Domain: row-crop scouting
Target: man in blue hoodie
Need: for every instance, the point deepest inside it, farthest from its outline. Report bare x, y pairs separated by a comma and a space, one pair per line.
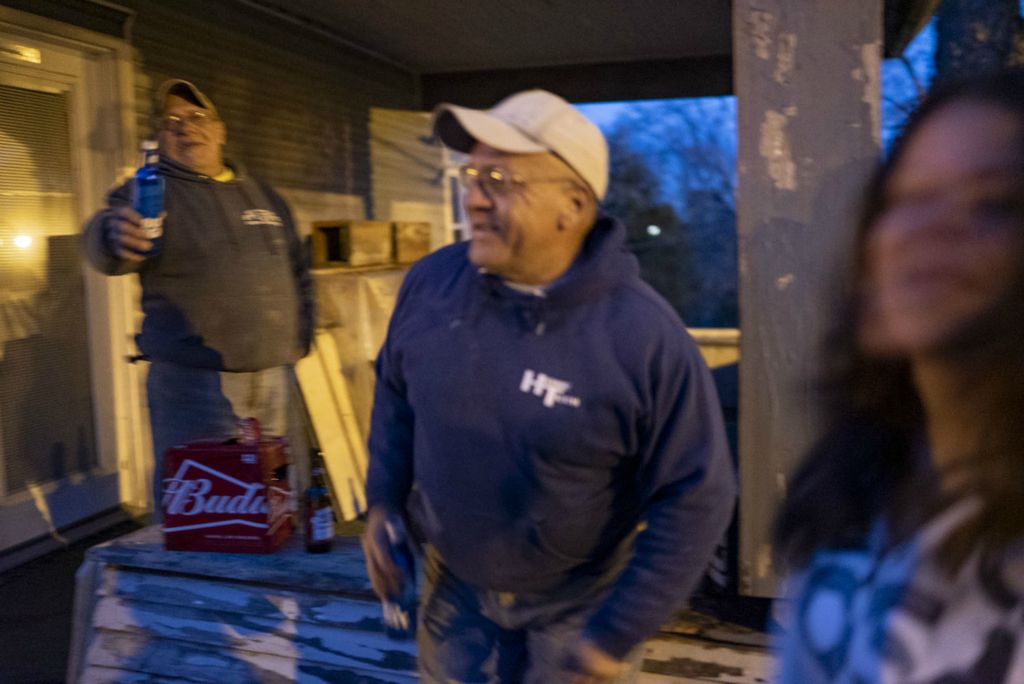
542, 420
228, 298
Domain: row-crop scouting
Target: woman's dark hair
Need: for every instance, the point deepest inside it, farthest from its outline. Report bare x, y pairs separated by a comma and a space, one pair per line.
875, 420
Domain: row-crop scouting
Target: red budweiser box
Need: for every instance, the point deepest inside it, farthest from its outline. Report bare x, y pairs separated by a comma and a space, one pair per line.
229, 496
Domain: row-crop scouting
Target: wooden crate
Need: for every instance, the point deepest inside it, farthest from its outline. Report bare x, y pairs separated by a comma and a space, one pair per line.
351, 243
412, 240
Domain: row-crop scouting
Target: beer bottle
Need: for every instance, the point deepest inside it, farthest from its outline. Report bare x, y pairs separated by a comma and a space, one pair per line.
148, 196
400, 609
319, 516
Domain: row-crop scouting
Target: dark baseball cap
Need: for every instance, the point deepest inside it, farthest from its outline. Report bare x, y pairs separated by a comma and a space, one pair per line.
183, 89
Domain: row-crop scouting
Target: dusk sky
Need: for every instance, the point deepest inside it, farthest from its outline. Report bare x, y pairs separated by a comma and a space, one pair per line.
897, 87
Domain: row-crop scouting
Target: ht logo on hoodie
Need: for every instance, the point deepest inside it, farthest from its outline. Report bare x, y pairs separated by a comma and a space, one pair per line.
256, 217
552, 389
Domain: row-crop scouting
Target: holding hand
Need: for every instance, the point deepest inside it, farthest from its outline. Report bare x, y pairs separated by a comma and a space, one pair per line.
125, 235
591, 665
385, 576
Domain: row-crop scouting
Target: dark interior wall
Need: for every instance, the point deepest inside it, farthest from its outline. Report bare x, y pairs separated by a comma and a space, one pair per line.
296, 103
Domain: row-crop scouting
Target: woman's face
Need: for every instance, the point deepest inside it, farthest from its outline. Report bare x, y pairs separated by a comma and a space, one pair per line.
947, 244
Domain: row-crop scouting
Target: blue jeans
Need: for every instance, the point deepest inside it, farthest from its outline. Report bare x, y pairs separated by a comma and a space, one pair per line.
473, 635
192, 403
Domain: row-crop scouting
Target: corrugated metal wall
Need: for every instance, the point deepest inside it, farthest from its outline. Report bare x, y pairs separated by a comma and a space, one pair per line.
296, 104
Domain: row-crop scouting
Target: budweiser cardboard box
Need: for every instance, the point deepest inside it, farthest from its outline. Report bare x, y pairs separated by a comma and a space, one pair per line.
227, 495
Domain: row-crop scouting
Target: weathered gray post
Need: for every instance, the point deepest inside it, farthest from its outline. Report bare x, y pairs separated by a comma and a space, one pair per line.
807, 85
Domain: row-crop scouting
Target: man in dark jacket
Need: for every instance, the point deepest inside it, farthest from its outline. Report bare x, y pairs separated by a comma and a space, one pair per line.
542, 420
227, 299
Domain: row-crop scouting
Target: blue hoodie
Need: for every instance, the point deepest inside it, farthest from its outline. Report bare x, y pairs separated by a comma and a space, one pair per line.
528, 436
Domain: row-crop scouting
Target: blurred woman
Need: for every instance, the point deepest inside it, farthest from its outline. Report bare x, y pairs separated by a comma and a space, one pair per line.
903, 532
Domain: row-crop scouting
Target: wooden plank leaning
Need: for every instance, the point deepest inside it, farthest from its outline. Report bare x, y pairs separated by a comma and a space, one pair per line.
328, 402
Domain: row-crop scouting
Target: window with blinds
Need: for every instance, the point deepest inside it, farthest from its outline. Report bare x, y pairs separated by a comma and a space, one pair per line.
46, 416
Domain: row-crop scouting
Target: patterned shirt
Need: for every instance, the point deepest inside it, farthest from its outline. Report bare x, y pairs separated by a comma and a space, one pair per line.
888, 613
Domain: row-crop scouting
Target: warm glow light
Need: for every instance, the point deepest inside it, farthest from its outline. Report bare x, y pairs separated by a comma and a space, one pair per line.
22, 241
653, 231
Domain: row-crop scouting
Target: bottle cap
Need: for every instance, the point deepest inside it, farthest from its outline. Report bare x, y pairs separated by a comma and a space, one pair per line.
149, 145
249, 431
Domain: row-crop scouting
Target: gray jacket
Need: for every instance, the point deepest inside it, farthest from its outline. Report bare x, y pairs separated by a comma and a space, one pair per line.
230, 288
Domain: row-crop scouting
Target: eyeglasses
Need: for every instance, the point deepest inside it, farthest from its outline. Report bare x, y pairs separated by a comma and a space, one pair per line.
498, 182
197, 117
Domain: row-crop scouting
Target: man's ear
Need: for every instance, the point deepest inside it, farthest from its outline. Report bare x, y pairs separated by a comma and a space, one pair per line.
573, 209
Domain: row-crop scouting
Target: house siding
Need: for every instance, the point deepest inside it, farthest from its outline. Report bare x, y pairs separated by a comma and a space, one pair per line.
296, 103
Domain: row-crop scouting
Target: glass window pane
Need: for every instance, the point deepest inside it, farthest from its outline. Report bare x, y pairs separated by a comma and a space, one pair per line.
46, 420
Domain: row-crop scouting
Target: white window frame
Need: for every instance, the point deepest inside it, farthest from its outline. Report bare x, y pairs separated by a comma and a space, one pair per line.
97, 71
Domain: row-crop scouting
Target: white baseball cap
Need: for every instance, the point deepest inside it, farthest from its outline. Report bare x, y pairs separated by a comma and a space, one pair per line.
529, 122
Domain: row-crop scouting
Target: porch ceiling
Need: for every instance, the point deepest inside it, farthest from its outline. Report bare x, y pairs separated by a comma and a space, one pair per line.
473, 35
653, 48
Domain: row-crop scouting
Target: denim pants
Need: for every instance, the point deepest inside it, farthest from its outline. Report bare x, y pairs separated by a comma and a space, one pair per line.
473, 635
194, 403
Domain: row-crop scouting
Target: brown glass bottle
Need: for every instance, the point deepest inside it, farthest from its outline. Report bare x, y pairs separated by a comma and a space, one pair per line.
319, 517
